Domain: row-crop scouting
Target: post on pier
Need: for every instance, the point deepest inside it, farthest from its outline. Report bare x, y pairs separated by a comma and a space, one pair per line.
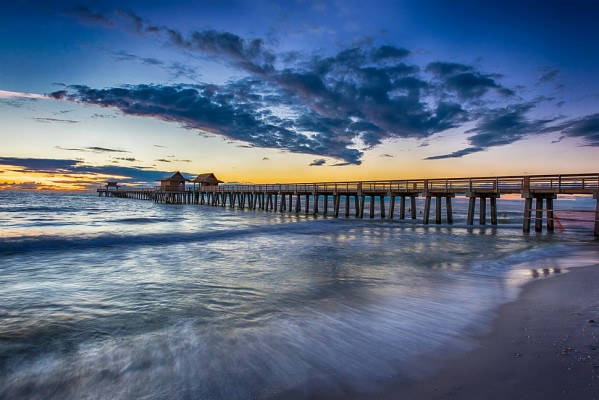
483, 196
347, 206
427, 209
596, 197
540, 199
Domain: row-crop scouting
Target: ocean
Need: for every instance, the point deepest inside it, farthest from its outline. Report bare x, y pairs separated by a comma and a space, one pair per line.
108, 298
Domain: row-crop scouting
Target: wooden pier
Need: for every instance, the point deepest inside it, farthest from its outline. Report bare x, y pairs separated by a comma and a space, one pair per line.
354, 196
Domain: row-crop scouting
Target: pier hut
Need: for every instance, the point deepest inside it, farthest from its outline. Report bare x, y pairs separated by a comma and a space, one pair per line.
111, 186
204, 180
176, 182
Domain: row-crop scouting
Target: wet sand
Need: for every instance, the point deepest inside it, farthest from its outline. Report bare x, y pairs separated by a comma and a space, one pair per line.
545, 345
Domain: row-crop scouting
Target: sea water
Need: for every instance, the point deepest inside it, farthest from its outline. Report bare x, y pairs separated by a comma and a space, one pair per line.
110, 298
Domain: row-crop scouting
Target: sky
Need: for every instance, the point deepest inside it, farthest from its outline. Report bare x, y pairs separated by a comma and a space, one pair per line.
295, 91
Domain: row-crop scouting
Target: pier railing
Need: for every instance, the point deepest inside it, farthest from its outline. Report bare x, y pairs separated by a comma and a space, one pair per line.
560, 184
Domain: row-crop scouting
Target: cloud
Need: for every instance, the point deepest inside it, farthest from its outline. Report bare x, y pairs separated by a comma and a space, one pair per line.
386, 155
503, 126
318, 162
68, 121
548, 75
333, 106
465, 81
89, 16
456, 154
93, 149
130, 159
78, 170
5, 94
586, 128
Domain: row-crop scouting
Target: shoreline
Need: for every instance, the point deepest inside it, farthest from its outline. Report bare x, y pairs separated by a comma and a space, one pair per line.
543, 345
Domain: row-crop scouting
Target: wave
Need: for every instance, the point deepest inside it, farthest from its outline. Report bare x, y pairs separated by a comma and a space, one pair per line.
38, 209
144, 220
12, 246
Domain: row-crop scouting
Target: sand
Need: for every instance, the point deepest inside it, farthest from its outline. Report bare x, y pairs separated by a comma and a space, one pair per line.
544, 345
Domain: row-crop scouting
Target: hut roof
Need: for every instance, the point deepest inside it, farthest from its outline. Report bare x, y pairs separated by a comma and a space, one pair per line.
207, 178
177, 177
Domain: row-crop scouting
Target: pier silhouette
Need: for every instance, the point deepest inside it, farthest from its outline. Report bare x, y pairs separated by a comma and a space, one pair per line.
355, 195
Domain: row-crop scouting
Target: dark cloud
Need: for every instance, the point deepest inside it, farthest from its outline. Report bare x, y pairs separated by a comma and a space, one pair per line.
250, 55
130, 159
66, 121
456, 154
37, 164
548, 75
105, 150
77, 168
386, 155
465, 81
333, 106
586, 128
163, 160
318, 162
85, 14
93, 149
503, 126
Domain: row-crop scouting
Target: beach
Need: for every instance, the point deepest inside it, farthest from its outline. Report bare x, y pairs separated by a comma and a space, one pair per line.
544, 345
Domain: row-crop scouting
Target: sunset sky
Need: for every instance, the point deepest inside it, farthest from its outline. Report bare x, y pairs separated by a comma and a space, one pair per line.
295, 91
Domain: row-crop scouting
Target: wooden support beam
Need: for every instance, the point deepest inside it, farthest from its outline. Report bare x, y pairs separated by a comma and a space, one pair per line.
493, 201
362, 201
527, 214
307, 204
391, 206
596, 232
437, 210
413, 206
336, 201
382, 206
371, 206
550, 221
325, 204
449, 210
471, 209
346, 205
539, 215
402, 207
483, 211
427, 209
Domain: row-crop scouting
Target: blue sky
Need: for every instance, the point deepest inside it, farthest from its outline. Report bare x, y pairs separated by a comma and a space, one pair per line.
273, 91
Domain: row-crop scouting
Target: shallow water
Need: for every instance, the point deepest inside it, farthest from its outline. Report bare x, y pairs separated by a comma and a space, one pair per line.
117, 298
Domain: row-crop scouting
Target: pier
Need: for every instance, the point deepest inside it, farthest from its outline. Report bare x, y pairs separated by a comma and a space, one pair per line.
351, 198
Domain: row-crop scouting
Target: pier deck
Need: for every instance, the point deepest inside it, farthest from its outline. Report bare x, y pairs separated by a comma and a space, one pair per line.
306, 197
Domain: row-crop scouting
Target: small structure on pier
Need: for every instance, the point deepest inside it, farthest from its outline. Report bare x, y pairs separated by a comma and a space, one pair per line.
111, 186
174, 182
208, 179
